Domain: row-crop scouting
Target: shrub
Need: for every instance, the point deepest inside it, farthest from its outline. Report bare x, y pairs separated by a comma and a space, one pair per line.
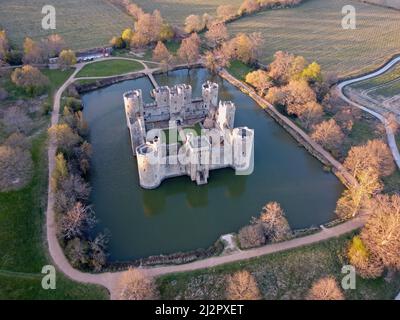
251, 236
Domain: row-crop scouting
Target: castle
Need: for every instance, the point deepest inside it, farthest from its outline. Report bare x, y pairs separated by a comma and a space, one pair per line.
179, 135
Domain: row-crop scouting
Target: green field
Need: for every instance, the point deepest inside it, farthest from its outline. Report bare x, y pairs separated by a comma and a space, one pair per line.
314, 31
83, 24
282, 276
109, 68
392, 74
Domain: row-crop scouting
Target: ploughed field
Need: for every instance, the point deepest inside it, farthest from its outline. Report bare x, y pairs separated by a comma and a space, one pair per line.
179, 215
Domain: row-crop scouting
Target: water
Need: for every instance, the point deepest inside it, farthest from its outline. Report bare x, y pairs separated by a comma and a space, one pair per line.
179, 215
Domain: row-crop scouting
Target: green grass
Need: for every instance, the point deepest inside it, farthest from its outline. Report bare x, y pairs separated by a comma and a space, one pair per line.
390, 75
109, 68
22, 246
83, 24
239, 70
284, 275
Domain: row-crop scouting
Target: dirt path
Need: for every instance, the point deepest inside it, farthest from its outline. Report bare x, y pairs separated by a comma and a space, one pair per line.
389, 133
109, 280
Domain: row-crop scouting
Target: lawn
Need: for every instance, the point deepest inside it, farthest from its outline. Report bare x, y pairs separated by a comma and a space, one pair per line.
109, 68
239, 70
23, 251
83, 24
284, 275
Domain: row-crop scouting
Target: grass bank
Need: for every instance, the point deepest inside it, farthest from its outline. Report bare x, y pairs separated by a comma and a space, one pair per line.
284, 275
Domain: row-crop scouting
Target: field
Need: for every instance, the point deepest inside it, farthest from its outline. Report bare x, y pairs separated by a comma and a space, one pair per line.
23, 250
314, 31
282, 276
109, 68
83, 24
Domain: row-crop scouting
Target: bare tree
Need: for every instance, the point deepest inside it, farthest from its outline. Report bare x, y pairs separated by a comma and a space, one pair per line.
34, 53
260, 80
135, 285
251, 236
54, 44
215, 60
226, 12
64, 136
17, 140
249, 6
311, 113
76, 221
328, 134
242, 286
325, 289
30, 78
162, 55
98, 251
77, 252
245, 48
217, 33
354, 198
16, 120
193, 23
4, 46
375, 154
381, 233
274, 222
189, 51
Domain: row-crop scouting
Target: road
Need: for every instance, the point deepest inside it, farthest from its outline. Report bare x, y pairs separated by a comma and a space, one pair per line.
389, 133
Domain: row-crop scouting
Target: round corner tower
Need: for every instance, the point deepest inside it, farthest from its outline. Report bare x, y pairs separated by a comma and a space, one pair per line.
243, 142
133, 101
148, 166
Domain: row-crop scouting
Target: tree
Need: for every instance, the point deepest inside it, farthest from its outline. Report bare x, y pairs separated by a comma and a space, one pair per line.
295, 95
64, 136
147, 29
76, 251
247, 47
375, 154
15, 119
311, 113
393, 123
286, 67
74, 187
215, 60
30, 79
217, 33
76, 221
117, 43
366, 264
381, 233
98, 251
162, 55
17, 140
66, 59
275, 225
135, 285
60, 171
167, 32
260, 80
134, 10
242, 286
328, 134
33, 52
208, 20
193, 23
226, 12
15, 167
325, 289
251, 236
126, 36
354, 198
4, 46
249, 6
312, 73
54, 44
189, 50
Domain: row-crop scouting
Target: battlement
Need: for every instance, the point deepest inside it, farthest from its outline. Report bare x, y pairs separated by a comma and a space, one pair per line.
175, 109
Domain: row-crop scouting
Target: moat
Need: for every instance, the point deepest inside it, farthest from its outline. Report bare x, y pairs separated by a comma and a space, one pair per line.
179, 215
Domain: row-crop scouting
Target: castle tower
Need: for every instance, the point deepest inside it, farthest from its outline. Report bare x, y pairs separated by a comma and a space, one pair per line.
149, 167
226, 115
161, 95
133, 101
243, 148
198, 166
210, 94
176, 100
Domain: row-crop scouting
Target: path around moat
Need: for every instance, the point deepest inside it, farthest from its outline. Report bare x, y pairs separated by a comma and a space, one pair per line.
110, 280
389, 132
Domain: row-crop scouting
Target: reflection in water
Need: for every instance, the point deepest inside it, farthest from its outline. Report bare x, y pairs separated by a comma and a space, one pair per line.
179, 215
